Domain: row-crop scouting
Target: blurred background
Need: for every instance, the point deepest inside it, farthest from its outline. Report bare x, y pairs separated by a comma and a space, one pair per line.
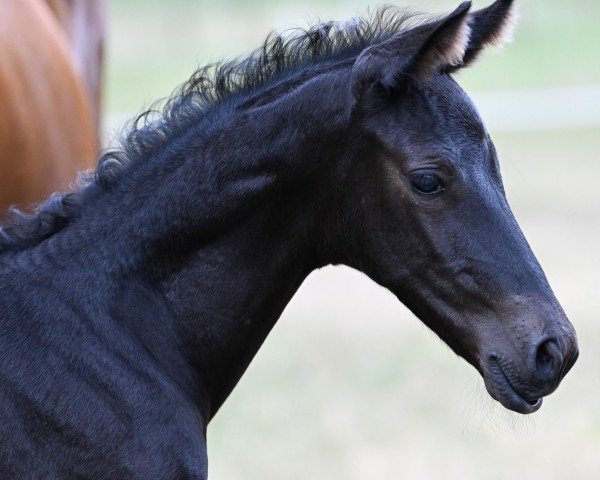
350, 384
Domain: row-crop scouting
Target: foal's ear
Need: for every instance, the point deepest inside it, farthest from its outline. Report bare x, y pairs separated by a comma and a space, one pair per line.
414, 54
491, 26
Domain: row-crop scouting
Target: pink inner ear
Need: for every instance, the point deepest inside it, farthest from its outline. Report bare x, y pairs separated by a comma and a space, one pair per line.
454, 52
506, 29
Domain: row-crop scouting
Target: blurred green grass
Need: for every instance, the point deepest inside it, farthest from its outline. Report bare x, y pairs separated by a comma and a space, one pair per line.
350, 385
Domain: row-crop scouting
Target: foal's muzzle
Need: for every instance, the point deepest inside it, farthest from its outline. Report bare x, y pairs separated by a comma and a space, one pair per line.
520, 385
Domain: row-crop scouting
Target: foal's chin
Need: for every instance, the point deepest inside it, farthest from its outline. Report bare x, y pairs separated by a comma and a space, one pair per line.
500, 389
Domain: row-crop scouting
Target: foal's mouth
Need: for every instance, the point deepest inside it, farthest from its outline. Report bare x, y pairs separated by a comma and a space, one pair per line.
500, 388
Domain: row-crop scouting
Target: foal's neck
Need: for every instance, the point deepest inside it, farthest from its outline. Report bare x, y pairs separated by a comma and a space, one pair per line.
231, 236
230, 293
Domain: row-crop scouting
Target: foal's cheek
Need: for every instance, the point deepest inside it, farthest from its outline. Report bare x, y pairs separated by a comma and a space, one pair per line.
395, 184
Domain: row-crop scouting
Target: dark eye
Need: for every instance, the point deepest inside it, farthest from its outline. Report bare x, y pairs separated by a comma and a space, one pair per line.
427, 183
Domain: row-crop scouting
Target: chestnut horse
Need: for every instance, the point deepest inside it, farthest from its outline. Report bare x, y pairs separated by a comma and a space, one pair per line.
84, 22
47, 121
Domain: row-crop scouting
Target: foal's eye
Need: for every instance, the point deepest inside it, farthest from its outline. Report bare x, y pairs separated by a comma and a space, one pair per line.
427, 183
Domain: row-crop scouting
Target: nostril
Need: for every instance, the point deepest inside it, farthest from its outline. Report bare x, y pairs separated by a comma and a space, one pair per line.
548, 359
543, 357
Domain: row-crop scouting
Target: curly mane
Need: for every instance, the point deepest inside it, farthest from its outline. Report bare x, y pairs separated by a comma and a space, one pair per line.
196, 105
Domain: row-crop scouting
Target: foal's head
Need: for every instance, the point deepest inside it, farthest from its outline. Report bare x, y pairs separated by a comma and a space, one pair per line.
430, 218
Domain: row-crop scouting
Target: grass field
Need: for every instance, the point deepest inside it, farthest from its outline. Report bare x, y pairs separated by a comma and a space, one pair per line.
350, 385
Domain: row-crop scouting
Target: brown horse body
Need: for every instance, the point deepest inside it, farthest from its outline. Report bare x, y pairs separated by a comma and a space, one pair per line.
47, 120
84, 23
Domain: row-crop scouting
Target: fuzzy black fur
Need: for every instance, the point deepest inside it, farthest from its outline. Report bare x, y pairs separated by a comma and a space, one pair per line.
130, 308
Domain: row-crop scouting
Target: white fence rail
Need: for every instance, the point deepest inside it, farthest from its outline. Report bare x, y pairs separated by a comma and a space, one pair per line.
507, 111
